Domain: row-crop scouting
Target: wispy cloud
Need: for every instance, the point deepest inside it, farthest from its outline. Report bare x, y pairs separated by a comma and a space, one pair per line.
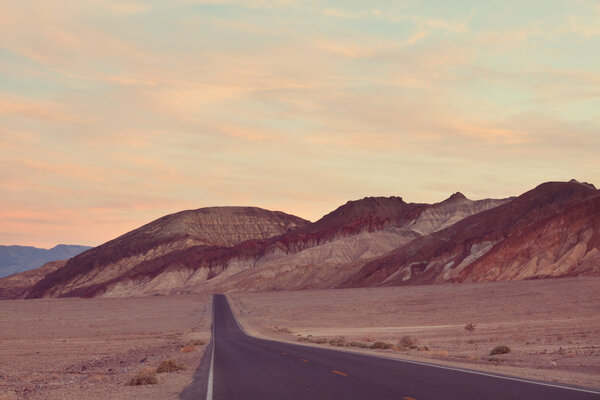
111, 119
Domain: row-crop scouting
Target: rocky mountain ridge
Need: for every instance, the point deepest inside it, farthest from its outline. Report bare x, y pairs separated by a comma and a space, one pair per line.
546, 232
142, 262
549, 231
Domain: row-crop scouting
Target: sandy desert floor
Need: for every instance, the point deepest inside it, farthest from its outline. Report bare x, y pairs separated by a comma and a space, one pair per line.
90, 348
551, 326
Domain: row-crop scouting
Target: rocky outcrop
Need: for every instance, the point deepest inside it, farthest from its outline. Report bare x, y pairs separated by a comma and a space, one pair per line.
550, 231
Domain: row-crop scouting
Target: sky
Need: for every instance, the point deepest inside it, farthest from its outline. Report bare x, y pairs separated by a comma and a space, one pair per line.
115, 113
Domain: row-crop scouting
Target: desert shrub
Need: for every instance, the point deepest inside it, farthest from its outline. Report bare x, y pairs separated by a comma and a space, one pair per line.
442, 353
187, 349
500, 350
339, 341
145, 377
407, 341
494, 359
282, 329
381, 345
195, 342
170, 366
470, 327
310, 339
361, 345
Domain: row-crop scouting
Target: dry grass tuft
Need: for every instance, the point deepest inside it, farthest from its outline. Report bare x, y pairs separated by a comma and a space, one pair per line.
407, 342
187, 349
381, 345
442, 353
470, 327
147, 376
500, 350
281, 329
170, 366
195, 342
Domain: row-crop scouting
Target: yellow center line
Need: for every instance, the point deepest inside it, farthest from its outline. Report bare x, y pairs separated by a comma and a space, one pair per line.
338, 372
303, 360
408, 398
284, 353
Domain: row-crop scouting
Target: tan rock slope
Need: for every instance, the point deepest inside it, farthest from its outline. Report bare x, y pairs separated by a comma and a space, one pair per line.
550, 231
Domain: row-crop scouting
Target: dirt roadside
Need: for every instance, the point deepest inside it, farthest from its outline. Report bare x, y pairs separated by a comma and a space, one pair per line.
90, 348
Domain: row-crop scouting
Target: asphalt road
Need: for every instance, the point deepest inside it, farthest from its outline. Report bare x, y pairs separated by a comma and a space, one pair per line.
244, 367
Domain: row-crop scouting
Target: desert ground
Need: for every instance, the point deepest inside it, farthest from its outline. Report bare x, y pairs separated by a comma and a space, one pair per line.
552, 327
91, 348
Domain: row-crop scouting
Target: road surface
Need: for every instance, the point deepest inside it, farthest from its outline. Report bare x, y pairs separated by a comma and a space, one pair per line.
244, 367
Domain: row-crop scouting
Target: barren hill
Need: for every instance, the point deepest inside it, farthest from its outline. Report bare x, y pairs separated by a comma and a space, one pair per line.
16, 285
550, 231
216, 227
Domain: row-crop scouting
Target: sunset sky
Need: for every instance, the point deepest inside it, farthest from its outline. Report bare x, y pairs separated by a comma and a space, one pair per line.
115, 113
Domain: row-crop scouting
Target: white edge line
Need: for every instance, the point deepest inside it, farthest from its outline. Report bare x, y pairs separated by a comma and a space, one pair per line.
425, 364
209, 389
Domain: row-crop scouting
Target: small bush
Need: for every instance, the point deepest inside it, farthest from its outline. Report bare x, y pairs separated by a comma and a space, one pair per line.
282, 329
310, 339
443, 353
187, 349
381, 345
407, 341
144, 377
170, 366
470, 327
195, 342
500, 350
340, 341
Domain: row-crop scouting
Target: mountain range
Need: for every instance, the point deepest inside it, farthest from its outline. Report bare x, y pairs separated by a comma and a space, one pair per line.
550, 231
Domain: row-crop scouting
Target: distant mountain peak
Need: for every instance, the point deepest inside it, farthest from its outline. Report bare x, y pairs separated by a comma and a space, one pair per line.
456, 197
